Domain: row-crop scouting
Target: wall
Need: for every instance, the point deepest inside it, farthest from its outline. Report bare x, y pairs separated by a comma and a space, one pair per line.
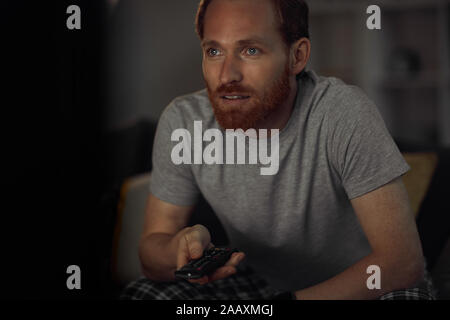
154, 57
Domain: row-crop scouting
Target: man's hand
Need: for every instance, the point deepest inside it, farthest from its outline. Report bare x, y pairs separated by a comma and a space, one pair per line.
193, 241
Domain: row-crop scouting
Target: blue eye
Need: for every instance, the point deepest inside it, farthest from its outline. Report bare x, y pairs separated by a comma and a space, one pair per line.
212, 52
252, 51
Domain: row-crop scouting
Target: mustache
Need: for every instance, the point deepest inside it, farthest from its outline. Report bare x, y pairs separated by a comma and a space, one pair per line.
233, 88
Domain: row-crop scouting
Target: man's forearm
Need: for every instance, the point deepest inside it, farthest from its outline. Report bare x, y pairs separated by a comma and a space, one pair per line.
158, 255
352, 282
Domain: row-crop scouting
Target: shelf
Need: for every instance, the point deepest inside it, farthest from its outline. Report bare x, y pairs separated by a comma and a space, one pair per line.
414, 36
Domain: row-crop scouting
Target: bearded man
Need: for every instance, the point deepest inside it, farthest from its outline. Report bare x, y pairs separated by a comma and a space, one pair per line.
337, 204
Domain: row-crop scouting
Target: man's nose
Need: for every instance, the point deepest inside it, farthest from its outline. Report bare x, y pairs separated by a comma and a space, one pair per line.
230, 71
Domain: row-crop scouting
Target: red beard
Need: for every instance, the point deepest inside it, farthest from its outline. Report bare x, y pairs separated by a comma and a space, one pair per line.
255, 109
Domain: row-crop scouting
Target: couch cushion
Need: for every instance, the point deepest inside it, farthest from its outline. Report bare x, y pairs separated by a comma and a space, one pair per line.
126, 266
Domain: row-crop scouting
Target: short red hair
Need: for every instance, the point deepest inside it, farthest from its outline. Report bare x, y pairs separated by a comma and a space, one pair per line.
293, 17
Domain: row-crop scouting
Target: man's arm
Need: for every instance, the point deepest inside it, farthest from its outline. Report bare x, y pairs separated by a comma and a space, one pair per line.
386, 218
158, 246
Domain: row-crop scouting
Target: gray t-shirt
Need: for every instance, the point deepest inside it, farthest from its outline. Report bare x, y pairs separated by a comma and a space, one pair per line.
297, 227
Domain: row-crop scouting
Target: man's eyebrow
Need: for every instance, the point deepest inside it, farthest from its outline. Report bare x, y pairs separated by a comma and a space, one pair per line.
243, 42
210, 43
252, 41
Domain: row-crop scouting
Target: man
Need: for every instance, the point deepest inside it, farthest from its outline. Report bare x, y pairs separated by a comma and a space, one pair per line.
335, 206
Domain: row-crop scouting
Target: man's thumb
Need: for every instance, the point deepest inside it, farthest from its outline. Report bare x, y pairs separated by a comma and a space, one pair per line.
195, 249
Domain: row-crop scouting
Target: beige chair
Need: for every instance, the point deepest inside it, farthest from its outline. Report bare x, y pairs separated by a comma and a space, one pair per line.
130, 218
418, 179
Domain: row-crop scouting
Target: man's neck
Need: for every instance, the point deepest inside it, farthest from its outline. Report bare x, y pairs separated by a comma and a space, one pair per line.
280, 117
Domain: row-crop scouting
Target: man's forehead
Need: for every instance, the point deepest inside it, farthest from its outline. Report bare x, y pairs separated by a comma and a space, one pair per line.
239, 22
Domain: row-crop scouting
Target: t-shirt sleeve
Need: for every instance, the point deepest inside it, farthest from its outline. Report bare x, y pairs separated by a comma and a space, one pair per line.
170, 182
362, 149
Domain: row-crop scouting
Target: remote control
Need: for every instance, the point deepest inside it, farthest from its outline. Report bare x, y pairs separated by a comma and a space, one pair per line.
211, 260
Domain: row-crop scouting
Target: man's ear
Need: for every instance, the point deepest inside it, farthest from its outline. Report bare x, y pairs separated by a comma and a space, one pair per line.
300, 51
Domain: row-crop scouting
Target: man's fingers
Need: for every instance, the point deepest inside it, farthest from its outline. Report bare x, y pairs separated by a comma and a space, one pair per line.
192, 244
201, 233
235, 259
222, 273
228, 268
202, 280
182, 255
195, 249
198, 238
190, 247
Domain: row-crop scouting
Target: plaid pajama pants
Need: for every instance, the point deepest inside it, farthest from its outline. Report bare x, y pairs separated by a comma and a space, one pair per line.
244, 285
